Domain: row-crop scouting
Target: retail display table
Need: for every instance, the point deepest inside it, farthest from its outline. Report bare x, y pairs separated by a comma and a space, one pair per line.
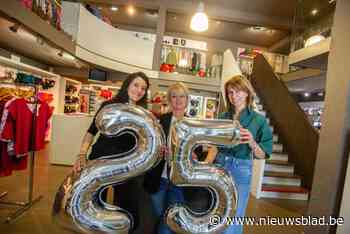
67, 134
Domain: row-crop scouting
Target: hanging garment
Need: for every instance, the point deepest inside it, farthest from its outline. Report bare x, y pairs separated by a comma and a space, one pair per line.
171, 58
8, 163
19, 124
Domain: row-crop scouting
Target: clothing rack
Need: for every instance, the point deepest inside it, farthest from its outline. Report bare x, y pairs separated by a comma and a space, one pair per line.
26, 205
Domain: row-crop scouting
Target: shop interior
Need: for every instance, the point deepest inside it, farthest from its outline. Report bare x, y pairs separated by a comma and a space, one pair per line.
68, 57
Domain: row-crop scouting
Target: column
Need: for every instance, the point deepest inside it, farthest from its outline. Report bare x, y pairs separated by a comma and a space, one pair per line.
160, 33
331, 163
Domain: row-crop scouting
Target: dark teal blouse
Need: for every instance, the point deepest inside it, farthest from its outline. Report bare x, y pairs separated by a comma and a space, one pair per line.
258, 126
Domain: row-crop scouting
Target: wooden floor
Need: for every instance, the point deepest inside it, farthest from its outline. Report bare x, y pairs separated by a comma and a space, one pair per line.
47, 179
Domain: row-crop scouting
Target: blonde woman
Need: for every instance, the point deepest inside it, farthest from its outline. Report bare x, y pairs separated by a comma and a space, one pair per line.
163, 192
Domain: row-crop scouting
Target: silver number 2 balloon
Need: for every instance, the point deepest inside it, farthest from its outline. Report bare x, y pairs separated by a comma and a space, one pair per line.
77, 205
183, 138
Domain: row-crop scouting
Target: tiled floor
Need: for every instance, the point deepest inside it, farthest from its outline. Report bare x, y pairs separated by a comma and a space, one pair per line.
47, 178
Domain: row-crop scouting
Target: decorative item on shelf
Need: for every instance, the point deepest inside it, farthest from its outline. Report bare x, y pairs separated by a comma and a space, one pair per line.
48, 10
210, 107
167, 67
201, 73
195, 106
106, 94
84, 103
7, 75
48, 83
71, 89
27, 79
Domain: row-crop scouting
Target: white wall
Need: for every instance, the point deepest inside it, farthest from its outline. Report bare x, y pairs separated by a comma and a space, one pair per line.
100, 43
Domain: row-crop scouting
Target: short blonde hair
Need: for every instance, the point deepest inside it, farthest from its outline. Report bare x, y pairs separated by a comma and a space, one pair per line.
177, 87
240, 83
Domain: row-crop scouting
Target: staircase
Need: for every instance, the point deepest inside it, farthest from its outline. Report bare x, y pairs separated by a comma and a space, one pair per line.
279, 180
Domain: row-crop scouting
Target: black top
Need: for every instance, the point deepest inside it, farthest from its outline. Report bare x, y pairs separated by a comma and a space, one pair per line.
152, 177
105, 146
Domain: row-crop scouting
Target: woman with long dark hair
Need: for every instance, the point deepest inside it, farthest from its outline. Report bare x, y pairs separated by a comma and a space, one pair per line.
134, 91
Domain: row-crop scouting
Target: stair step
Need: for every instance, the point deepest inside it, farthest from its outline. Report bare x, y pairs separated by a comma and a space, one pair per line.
279, 157
275, 138
284, 192
279, 162
274, 178
279, 166
281, 174
277, 148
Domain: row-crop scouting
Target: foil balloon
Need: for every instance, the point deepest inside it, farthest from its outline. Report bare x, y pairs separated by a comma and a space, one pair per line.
78, 205
184, 136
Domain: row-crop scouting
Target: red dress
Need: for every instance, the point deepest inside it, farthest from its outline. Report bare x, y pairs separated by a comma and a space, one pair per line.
18, 129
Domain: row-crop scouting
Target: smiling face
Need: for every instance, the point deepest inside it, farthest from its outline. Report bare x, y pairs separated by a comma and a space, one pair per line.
137, 89
178, 100
238, 98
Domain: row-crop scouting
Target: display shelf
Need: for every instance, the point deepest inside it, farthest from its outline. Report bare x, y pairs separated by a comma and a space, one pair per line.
26, 68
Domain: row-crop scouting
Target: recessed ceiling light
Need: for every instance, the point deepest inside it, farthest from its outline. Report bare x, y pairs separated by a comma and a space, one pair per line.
307, 94
320, 94
218, 22
314, 12
258, 28
152, 13
114, 8
131, 10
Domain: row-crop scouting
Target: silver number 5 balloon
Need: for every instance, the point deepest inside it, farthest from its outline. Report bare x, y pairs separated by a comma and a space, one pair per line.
77, 205
183, 138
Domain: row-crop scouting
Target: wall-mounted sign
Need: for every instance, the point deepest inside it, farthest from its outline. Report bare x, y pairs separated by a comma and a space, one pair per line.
186, 43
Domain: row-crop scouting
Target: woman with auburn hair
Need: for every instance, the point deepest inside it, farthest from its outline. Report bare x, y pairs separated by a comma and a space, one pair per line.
256, 141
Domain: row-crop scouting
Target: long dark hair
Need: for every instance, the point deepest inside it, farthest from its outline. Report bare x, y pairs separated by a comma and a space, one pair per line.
123, 97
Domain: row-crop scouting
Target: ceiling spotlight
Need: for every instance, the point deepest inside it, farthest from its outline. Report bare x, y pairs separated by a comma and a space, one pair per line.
114, 8
314, 12
306, 94
258, 29
199, 21
14, 28
131, 10
320, 94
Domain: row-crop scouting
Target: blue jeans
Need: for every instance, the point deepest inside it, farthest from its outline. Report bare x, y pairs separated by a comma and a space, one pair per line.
167, 195
241, 171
